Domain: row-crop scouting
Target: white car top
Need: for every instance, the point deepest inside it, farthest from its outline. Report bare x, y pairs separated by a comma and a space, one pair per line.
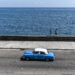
42, 50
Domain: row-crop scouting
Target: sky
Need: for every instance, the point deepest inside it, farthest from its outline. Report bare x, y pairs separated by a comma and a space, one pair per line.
37, 3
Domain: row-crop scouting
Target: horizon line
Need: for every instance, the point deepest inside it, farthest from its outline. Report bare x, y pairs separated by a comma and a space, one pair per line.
37, 7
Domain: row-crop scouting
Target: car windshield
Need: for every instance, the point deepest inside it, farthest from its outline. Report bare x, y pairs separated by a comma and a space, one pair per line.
42, 52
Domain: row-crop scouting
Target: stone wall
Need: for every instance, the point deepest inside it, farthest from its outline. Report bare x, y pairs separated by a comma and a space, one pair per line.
37, 38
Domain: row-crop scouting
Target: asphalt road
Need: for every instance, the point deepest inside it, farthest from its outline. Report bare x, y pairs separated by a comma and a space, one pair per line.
10, 64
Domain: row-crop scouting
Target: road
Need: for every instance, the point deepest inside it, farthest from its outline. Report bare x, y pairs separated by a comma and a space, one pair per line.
10, 63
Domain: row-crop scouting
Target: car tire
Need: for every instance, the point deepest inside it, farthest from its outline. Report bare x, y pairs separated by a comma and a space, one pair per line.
52, 60
27, 58
47, 59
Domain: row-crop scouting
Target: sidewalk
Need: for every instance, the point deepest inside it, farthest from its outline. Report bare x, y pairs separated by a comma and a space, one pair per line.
36, 44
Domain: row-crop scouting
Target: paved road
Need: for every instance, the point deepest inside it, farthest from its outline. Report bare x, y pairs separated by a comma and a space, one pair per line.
10, 64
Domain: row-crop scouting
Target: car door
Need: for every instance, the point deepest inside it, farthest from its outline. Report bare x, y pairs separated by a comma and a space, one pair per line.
42, 55
36, 55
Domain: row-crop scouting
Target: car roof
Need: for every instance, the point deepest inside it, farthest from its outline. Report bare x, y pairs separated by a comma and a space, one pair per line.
42, 50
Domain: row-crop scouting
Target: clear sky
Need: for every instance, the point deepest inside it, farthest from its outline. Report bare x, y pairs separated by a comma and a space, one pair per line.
37, 3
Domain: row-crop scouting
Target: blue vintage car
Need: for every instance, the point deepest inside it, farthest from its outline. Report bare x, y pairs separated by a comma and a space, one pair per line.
38, 54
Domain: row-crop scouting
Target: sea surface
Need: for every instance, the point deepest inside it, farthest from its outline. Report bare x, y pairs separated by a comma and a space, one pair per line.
37, 21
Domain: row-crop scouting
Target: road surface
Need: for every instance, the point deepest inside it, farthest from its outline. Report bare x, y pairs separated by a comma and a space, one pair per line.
10, 63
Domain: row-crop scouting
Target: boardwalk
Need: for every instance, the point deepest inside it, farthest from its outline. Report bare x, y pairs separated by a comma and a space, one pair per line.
35, 44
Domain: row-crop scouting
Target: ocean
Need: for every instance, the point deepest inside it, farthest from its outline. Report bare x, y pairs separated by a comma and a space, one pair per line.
37, 21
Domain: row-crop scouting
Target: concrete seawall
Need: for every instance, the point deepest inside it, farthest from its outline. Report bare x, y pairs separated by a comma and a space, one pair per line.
36, 38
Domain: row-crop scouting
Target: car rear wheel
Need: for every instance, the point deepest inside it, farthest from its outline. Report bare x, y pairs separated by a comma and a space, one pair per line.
27, 58
47, 59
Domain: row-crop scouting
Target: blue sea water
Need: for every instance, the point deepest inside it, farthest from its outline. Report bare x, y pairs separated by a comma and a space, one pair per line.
37, 21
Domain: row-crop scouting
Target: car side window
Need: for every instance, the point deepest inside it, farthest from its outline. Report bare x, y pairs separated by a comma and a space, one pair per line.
42, 52
35, 52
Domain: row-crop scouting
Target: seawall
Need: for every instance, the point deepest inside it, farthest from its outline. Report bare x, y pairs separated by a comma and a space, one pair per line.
36, 38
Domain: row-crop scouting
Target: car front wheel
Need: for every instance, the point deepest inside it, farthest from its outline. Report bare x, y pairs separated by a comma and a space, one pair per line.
51, 59
47, 59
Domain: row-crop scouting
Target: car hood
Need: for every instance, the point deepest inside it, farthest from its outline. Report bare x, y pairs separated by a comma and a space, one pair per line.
51, 54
